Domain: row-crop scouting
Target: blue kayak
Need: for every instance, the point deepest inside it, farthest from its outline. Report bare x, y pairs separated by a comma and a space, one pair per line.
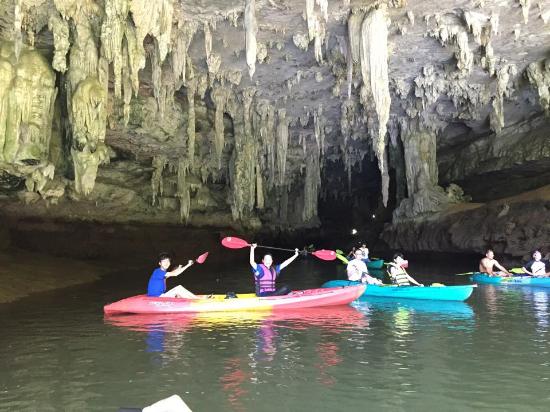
512, 280
456, 293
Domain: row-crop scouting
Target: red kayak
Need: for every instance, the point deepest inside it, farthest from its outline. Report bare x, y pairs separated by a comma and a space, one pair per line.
242, 302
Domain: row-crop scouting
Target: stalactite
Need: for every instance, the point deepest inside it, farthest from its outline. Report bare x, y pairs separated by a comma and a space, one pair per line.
88, 118
17, 22
183, 37
266, 130
244, 177
525, 7
156, 77
497, 115
251, 29
319, 126
182, 190
354, 35
316, 27
282, 146
320, 34
312, 183
374, 69
538, 74
349, 71
310, 18
157, 188
219, 96
126, 84
191, 90
207, 39
260, 199
154, 18
83, 56
449, 30
112, 34
60, 29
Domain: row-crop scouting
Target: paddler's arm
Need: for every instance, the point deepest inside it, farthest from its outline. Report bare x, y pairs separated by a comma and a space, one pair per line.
290, 259
179, 270
252, 262
414, 281
498, 265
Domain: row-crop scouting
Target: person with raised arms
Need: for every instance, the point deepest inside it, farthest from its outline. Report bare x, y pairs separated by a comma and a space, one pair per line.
487, 264
536, 267
157, 281
358, 272
365, 250
265, 273
398, 274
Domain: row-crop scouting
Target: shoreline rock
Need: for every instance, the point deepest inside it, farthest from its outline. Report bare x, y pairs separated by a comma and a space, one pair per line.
513, 226
24, 273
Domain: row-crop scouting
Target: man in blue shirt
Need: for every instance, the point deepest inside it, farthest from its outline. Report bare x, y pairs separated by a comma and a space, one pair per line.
157, 281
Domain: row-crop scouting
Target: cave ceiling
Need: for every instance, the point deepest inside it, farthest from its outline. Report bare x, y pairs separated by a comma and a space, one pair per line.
238, 107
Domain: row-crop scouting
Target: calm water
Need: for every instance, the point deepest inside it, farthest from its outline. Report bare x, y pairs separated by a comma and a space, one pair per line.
58, 353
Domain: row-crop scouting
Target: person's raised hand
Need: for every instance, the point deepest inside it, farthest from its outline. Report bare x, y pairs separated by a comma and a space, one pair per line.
190, 262
296, 252
253, 246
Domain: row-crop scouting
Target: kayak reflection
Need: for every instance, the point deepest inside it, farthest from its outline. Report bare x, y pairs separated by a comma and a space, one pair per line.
333, 317
439, 309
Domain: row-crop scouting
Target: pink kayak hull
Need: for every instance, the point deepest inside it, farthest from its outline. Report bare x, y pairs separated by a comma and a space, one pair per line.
295, 300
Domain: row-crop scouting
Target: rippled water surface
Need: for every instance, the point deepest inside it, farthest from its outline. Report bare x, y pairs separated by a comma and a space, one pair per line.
59, 353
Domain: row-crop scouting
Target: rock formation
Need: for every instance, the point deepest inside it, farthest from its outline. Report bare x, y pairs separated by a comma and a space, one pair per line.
255, 112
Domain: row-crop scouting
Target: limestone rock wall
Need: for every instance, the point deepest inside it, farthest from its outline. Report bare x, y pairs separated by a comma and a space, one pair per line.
514, 226
199, 111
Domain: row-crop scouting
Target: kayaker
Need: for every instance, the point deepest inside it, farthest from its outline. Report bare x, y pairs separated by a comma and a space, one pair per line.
357, 270
397, 272
536, 266
265, 274
351, 253
487, 264
365, 250
157, 281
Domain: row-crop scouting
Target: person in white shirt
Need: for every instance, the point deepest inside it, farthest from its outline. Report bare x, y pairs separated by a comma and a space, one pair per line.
358, 272
365, 251
536, 266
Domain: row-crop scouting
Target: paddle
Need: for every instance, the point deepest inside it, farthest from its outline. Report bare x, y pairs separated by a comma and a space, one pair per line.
342, 258
237, 243
201, 258
513, 270
464, 274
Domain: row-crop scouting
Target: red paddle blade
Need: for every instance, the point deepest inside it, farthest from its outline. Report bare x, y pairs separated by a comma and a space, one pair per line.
234, 243
324, 254
202, 258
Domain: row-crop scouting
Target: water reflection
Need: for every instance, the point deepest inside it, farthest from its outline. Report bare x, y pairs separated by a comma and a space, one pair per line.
272, 347
539, 298
403, 308
233, 381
